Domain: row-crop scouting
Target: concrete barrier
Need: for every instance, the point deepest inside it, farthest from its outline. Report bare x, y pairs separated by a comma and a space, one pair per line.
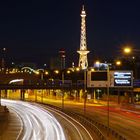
3, 113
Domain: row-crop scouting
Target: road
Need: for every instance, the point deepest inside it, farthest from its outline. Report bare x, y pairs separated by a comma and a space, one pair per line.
38, 124
72, 128
124, 122
42, 123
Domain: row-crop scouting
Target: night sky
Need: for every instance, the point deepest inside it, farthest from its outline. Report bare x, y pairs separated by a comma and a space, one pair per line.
34, 31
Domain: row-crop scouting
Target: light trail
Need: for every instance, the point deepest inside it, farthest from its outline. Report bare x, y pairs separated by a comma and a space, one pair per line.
70, 120
38, 123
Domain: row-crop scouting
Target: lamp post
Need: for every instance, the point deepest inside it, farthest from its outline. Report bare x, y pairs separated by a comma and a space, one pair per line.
3, 59
118, 63
98, 64
85, 90
0, 97
108, 84
128, 51
62, 90
62, 61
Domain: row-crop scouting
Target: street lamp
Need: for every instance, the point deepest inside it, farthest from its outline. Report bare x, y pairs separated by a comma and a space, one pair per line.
118, 63
108, 84
97, 64
3, 59
62, 90
85, 89
127, 50
0, 97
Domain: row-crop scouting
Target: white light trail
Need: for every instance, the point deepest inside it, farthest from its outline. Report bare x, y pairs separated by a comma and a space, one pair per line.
68, 119
16, 80
39, 124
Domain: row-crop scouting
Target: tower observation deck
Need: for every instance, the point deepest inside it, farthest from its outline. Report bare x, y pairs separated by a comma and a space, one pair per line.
83, 61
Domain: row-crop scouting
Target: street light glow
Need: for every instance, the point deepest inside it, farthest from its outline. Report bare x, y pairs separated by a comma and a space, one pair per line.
37, 72
68, 72
4, 49
46, 72
97, 62
77, 69
127, 50
118, 63
56, 71
92, 69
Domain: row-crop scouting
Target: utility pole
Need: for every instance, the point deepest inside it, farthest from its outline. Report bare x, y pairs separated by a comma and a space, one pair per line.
108, 84
62, 61
85, 90
0, 97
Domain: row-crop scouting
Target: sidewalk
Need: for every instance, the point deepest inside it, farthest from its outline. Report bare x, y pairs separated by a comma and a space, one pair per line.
11, 127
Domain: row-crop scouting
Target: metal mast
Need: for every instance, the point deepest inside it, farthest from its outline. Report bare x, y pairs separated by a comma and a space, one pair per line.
83, 62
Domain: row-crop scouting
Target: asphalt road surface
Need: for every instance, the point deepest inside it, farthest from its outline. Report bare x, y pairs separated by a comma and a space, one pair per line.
43, 123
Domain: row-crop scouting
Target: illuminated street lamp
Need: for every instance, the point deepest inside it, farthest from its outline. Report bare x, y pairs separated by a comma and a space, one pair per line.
77, 69
3, 59
97, 64
118, 62
108, 84
36, 72
92, 69
56, 71
0, 97
85, 89
46, 73
127, 50
62, 90
68, 71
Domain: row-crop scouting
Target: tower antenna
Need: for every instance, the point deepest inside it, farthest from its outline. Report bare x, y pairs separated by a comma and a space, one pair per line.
83, 61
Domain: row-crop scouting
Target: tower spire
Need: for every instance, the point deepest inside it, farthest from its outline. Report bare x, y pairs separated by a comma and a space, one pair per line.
83, 62
83, 8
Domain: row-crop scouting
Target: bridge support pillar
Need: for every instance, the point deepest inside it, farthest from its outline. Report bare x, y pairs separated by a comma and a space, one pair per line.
0, 97
118, 96
22, 94
77, 95
35, 93
5, 93
94, 95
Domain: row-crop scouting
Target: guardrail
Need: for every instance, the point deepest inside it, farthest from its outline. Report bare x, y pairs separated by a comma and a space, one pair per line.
86, 122
3, 113
96, 126
40, 86
82, 120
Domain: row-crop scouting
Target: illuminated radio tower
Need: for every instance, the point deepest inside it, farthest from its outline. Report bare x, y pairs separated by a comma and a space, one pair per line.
83, 62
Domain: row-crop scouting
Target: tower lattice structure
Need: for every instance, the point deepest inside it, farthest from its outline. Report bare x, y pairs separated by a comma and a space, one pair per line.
83, 61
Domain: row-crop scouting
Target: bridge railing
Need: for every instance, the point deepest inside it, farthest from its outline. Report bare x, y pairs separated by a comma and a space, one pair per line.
43, 85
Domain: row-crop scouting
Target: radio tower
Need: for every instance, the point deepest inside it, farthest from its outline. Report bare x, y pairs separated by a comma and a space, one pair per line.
83, 62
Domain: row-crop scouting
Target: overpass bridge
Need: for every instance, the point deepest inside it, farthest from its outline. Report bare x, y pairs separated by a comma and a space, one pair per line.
27, 81
41, 86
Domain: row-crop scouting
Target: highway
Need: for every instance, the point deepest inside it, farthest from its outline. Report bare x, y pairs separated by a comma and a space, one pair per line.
43, 123
38, 123
72, 128
124, 122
